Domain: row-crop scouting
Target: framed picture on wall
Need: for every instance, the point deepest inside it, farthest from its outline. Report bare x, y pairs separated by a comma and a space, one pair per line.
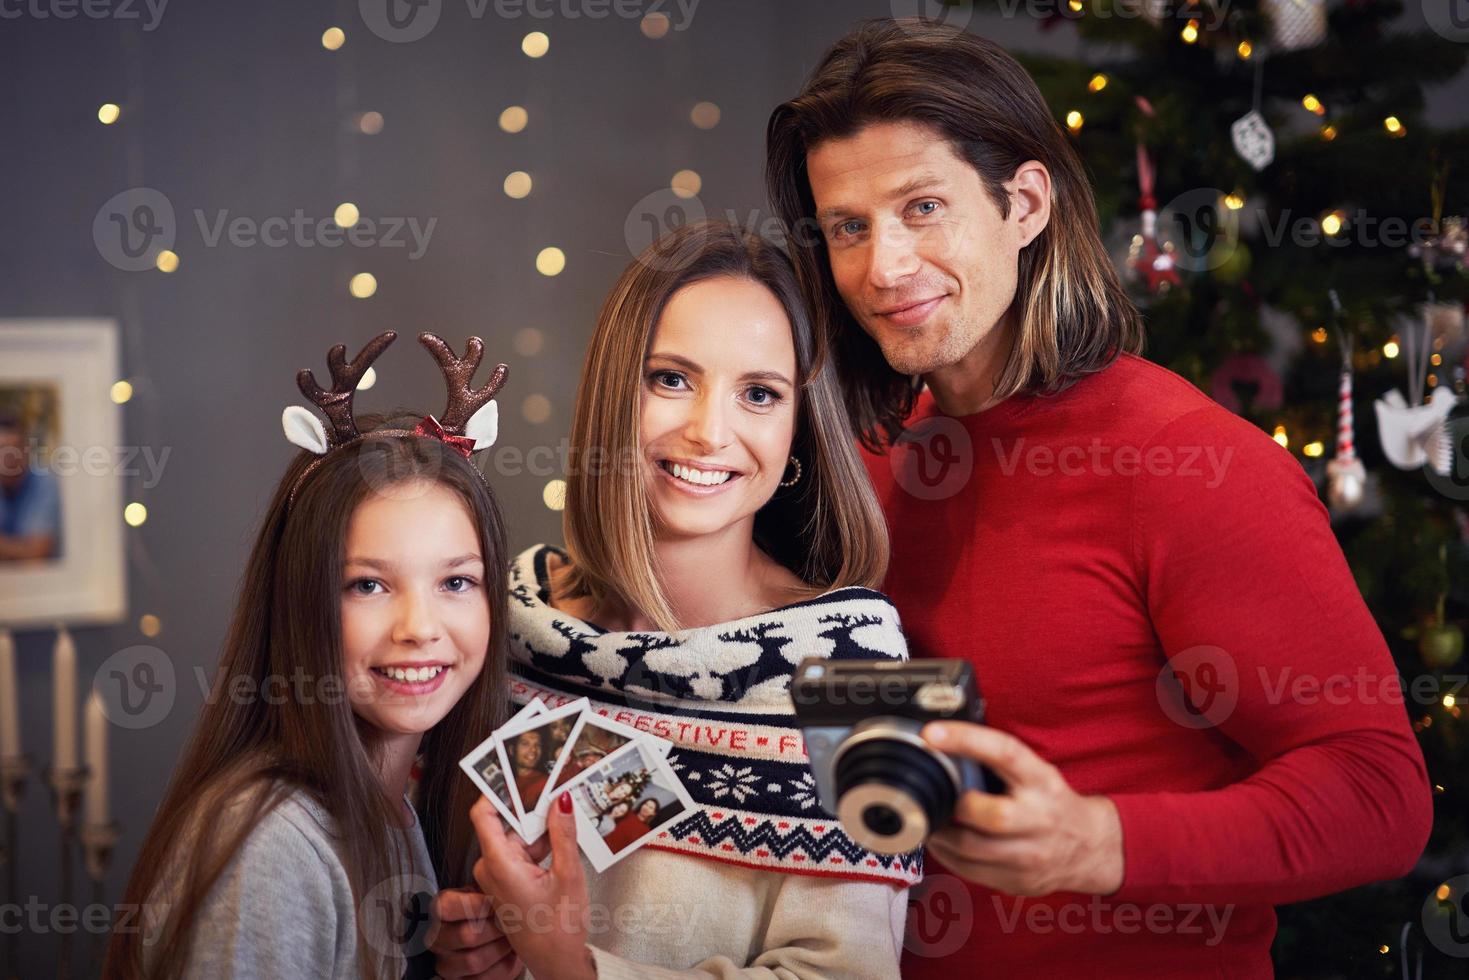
61, 478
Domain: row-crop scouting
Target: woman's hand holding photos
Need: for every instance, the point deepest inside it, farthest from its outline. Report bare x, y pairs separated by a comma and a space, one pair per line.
541, 911
466, 940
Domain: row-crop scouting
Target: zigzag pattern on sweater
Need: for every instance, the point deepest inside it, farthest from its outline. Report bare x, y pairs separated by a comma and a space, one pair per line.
751, 839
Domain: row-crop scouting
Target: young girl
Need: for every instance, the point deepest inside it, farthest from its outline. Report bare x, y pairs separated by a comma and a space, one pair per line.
368, 633
720, 527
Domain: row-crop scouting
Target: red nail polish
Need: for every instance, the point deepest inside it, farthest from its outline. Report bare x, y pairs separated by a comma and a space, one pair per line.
564, 802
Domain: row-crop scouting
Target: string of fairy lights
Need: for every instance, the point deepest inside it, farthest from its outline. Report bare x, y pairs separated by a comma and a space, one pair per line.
549, 260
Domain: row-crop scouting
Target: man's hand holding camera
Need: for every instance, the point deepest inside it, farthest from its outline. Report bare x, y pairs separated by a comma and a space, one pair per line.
1038, 837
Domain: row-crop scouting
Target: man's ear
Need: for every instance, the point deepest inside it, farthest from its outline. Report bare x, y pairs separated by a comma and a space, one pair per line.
1030, 200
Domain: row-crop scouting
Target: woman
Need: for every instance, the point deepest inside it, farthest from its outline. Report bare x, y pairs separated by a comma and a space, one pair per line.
632, 826
608, 821
719, 528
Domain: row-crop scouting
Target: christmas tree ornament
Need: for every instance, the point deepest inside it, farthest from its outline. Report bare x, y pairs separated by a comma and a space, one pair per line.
1250, 133
1250, 371
1253, 139
1230, 260
1287, 339
1346, 477
1445, 323
1416, 435
1444, 251
1296, 24
1441, 643
1413, 433
1150, 261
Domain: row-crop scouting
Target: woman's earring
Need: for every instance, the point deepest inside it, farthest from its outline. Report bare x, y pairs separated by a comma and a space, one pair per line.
787, 484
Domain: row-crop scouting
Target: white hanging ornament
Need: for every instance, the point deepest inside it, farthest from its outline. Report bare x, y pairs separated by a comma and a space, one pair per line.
1415, 432
1296, 24
1253, 140
1415, 435
1250, 134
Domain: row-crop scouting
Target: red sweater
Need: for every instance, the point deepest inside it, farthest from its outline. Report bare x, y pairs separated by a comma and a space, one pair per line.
1072, 547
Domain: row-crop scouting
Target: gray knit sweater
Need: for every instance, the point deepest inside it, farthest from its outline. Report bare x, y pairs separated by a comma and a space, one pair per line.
284, 908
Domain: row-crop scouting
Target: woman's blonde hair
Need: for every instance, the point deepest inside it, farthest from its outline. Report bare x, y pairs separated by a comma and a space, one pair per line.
827, 529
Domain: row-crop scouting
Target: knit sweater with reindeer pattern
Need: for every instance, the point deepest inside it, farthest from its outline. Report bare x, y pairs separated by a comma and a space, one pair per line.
758, 880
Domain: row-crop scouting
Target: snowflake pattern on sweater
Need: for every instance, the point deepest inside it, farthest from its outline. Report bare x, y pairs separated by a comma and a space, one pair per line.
720, 694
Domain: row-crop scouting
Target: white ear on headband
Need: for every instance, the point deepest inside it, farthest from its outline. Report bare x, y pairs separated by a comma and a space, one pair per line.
483, 426
304, 429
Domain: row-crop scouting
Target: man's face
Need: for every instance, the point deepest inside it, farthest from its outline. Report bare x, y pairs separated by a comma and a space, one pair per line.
528, 750
918, 249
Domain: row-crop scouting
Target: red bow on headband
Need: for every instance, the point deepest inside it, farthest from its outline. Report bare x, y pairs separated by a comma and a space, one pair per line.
430, 427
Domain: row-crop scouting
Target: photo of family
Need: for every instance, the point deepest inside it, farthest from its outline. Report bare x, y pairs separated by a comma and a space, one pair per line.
622, 801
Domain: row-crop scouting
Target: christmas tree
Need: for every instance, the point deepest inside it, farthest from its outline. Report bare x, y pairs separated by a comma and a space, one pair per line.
1287, 219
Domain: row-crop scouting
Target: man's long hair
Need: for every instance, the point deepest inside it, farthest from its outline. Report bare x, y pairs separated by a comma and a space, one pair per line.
1073, 315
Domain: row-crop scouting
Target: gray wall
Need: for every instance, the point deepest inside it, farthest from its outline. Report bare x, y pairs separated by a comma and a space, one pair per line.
236, 106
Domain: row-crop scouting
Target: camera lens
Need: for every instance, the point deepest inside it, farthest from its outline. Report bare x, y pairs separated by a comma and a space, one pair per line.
882, 819
892, 793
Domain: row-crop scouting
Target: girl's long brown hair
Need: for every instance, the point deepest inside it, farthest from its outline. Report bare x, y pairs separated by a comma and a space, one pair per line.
249, 754
828, 529
1074, 315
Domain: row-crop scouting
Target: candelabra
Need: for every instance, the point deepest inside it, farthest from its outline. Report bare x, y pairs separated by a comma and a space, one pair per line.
66, 794
15, 772
98, 840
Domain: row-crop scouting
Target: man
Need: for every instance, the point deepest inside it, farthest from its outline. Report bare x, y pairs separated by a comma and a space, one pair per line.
30, 504
1136, 574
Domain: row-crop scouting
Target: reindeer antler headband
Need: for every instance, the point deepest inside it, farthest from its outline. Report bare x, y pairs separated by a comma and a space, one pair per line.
471, 419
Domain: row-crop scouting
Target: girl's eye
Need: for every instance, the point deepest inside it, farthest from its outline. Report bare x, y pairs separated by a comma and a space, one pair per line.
363, 586
926, 208
460, 583
667, 379
849, 227
762, 396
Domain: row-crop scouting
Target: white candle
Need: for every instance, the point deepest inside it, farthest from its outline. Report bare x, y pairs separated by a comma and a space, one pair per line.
64, 667
96, 761
9, 699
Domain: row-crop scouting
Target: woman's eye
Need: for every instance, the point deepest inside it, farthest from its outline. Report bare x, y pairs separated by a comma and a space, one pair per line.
849, 227
460, 583
668, 379
363, 586
762, 396
926, 208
